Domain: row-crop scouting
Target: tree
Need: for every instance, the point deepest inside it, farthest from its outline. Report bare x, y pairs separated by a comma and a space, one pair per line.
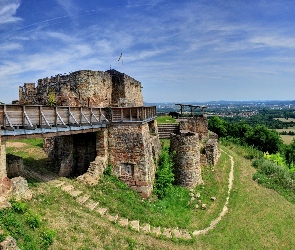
264, 139
290, 153
218, 126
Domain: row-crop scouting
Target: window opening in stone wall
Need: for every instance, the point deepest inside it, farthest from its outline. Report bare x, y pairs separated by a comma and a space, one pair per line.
127, 169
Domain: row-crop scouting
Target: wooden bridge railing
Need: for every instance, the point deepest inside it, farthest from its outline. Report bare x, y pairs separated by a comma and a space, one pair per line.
133, 114
32, 117
41, 119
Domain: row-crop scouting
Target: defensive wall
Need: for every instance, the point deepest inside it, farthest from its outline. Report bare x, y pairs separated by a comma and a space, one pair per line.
128, 142
130, 145
84, 88
193, 146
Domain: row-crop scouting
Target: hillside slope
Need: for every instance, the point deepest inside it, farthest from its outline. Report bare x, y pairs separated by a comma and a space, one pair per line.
258, 218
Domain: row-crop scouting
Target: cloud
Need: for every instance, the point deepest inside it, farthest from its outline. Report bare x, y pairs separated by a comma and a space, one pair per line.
7, 11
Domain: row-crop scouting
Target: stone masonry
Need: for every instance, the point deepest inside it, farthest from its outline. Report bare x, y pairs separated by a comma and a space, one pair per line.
5, 182
197, 124
187, 168
84, 88
194, 146
130, 148
133, 150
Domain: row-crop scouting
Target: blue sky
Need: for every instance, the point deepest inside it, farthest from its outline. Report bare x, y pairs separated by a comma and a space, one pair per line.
180, 51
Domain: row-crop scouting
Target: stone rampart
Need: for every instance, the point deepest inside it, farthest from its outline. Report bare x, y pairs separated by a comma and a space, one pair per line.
187, 167
84, 88
132, 154
196, 124
3, 172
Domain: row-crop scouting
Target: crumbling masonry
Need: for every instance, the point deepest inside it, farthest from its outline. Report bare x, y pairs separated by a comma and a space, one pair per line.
130, 148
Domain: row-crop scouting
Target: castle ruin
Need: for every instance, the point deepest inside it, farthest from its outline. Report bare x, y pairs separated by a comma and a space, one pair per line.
130, 147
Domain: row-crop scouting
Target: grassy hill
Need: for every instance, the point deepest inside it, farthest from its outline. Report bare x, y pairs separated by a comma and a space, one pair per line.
258, 218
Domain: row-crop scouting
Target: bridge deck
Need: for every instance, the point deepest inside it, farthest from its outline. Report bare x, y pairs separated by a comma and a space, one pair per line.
33, 120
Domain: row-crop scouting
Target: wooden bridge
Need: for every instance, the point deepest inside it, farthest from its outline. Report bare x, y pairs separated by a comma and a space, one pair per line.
34, 120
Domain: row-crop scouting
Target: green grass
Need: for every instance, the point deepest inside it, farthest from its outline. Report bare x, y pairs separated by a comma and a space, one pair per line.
165, 119
258, 217
26, 227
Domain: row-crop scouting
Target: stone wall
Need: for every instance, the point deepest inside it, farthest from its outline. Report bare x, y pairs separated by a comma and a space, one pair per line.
14, 166
126, 91
5, 182
71, 154
187, 167
131, 148
196, 124
3, 172
84, 88
211, 149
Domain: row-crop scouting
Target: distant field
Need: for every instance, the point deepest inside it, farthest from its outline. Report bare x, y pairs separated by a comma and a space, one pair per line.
285, 120
287, 138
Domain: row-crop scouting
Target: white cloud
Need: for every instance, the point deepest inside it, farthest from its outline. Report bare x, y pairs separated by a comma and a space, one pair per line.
7, 11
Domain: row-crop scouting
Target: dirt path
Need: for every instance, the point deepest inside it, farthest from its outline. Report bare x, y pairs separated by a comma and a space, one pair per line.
147, 228
225, 208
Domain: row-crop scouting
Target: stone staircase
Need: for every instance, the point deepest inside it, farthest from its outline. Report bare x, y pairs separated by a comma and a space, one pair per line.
86, 201
166, 129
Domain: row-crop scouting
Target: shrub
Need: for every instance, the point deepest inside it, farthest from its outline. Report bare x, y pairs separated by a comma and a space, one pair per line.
33, 220
18, 206
47, 238
108, 171
164, 174
275, 176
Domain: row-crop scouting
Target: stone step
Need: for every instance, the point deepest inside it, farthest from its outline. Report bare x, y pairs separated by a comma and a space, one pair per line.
134, 225
156, 231
75, 193
101, 210
57, 183
167, 232
112, 218
82, 199
67, 188
91, 204
123, 222
146, 228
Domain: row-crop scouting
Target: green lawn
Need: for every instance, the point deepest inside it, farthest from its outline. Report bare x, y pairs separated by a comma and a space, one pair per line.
165, 119
258, 218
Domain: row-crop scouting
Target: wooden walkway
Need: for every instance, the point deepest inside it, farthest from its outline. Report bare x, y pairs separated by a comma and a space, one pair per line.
33, 120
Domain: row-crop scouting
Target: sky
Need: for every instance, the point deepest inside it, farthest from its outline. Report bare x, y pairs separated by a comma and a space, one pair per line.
180, 51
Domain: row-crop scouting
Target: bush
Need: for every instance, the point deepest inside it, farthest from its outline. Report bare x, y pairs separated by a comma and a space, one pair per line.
274, 176
47, 238
33, 220
164, 174
18, 206
108, 171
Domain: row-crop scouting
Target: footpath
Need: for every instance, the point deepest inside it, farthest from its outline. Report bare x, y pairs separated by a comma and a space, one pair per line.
86, 201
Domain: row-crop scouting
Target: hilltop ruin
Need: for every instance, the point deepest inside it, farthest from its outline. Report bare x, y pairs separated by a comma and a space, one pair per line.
131, 146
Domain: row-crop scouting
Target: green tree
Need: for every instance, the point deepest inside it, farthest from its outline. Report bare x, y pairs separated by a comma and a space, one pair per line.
218, 126
264, 139
290, 153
